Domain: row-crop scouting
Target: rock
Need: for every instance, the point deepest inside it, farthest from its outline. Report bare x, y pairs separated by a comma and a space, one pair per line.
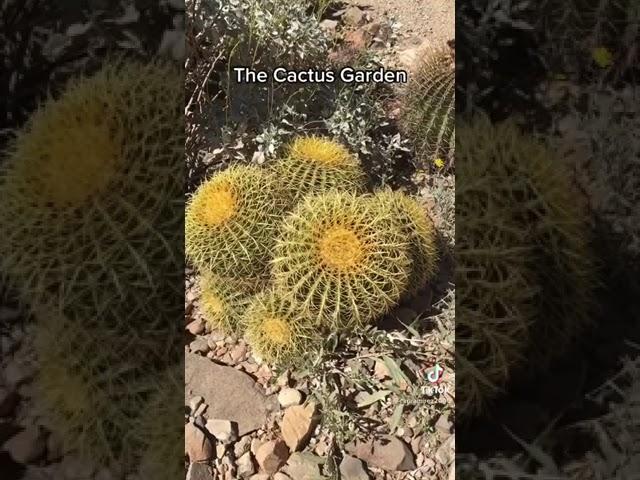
289, 397
242, 446
272, 455
445, 453
329, 26
8, 401
388, 453
353, 469
199, 345
380, 371
27, 446
281, 476
194, 403
199, 471
261, 476
238, 352
353, 17
443, 425
223, 430
304, 466
196, 444
298, 424
196, 327
245, 466
230, 394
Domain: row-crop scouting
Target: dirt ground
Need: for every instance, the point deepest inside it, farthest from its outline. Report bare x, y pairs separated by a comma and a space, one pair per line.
433, 19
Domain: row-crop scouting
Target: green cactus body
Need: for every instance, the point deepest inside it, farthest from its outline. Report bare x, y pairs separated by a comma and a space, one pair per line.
518, 206
416, 224
276, 329
223, 303
91, 188
429, 110
315, 165
231, 223
86, 387
342, 259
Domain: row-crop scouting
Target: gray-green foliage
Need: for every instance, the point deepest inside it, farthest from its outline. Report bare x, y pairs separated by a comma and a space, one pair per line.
609, 135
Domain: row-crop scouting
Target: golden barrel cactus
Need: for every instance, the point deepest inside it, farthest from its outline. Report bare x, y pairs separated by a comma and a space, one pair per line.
315, 165
342, 258
231, 223
223, 303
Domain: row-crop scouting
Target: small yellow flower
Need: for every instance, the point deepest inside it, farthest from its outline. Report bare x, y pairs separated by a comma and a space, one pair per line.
438, 162
602, 56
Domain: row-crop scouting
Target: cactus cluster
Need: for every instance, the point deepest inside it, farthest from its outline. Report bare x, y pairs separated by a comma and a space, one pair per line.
525, 276
92, 190
429, 109
337, 257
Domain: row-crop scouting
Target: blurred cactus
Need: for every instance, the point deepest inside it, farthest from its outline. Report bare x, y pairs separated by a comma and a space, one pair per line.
524, 260
92, 194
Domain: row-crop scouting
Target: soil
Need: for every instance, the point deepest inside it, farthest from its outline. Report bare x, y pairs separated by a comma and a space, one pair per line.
423, 19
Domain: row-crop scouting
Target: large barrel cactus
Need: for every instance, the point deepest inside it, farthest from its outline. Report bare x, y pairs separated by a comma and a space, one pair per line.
429, 109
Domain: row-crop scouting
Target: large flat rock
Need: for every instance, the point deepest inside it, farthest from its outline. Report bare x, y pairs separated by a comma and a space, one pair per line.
230, 394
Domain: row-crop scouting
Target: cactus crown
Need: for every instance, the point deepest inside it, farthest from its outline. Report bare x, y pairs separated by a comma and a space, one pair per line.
216, 204
320, 150
340, 248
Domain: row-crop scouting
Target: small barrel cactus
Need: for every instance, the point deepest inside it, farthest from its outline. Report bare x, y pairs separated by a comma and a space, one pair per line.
342, 258
429, 110
231, 223
276, 329
315, 165
415, 223
223, 303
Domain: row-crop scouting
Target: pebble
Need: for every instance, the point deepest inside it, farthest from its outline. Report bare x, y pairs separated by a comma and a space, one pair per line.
196, 327
199, 345
242, 446
197, 445
289, 397
195, 402
223, 430
352, 468
298, 424
199, 471
272, 455
246, 468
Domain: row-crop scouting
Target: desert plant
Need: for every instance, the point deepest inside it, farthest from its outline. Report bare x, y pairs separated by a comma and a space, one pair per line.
416, 224
429, 109
314, 165
231, 223
223, 302
342, 259
87, 387
276, 329
523, 210
92, 188
159, 430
